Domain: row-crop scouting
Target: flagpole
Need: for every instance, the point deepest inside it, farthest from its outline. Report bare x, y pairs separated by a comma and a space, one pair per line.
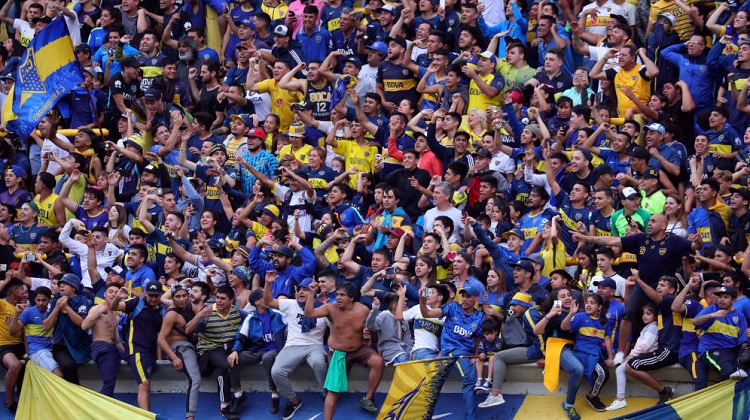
96, 114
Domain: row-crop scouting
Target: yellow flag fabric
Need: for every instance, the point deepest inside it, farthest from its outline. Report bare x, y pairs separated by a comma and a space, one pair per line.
554, 347
726, 400
44, 393
415, 388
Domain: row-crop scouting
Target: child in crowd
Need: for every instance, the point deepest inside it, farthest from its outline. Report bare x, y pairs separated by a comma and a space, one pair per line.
490, 344
647, 342
592, 335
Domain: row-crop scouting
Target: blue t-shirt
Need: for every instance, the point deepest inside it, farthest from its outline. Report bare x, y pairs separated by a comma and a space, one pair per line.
460, 330
36, 338
570, 216
722, 333
531, 225
669, 333
689, 342
99, 219
140, 277
590, 333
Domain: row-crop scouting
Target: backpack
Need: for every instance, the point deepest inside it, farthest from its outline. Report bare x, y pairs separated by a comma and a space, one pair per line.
513, 334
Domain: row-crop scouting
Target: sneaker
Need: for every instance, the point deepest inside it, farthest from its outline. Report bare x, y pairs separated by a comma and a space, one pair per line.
738, 375
666, 394
290, 409
570, 411
368, 405
234, 407
228, 413
274, 405
616, 405
12, 407
619, 358
595, 403
492, 400
478, 385
483, 387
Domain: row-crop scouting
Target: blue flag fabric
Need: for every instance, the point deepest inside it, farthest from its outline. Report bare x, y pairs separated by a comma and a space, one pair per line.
47, 71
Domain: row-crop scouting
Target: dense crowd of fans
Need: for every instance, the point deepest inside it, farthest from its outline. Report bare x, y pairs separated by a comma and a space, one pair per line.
556, 183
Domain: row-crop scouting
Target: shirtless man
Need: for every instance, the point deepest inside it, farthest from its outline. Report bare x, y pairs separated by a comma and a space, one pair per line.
178, 346
347, 322
106, 348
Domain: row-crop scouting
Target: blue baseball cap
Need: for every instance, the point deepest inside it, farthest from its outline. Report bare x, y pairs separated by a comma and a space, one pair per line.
606, 282
471, 289
379, 46
524, 265
305, 283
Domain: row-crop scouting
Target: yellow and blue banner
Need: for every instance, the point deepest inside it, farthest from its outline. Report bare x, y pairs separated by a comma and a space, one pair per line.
726, 400
45, 395
47, 71
415, 389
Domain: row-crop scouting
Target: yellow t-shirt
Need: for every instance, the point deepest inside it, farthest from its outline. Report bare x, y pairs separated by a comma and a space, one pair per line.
636, 82
6, 314
361, 157
281, 100
232, 144
554, 258
47, 209
302, 154
276, 13
683, 27
479, 100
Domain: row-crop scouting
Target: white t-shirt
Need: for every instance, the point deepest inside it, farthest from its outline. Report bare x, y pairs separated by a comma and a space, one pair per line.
502, 163
298, 198
598, 25
494, 12
619, 292
262, 103
48, 146
370, 73
453, 213
426, 330
294, 335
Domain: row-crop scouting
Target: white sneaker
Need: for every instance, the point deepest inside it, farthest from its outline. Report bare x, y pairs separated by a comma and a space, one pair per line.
616, 405
619, 358
738, 375
492, 400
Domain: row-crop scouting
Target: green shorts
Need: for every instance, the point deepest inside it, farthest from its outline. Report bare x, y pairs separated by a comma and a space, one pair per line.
336, 380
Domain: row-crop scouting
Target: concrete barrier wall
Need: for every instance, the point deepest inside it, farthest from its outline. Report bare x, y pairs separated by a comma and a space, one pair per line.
521, 379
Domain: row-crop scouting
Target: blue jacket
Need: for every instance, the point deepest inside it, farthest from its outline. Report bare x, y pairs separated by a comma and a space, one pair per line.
502, 258
517, 28
694, 71
251, 337
287, 278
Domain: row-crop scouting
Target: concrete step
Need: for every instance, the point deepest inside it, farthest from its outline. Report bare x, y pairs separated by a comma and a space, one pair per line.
523, 379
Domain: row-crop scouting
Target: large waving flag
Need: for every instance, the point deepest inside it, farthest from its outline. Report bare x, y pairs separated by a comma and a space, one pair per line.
44, 395
725, 400
47, 71
415, 388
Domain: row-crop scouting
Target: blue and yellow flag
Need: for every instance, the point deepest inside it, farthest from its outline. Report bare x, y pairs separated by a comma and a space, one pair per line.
45, 395
415, 388
725, 400
47, 71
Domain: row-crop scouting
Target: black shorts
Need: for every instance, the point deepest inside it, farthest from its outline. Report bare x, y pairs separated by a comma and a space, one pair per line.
18, 349
143, 366
658, 359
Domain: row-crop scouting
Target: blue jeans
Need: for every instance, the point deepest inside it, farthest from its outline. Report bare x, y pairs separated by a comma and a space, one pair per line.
468, 373
570, 363
421, 354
